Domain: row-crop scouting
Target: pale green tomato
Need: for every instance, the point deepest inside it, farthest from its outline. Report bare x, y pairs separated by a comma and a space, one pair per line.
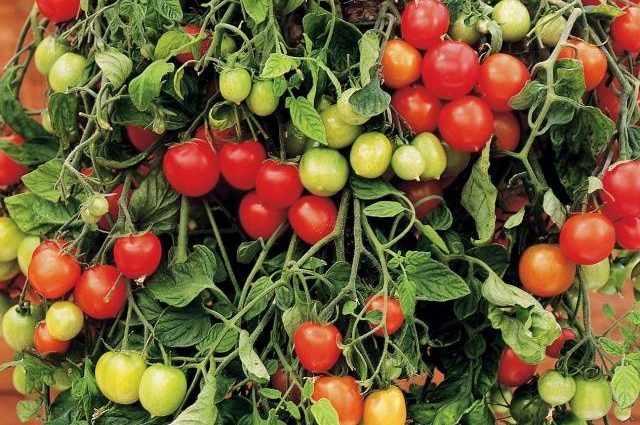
407, 162
18, 328
555, 388
514, 19
19, 380
464, 32
339, 133
25, 252
5, 303
549, 29
596, 275
10, 238
593, 398
347, 114
371, 155
8, 269
433, 153
97, 205
323, 171
118, 375
67, 72
235, 84
162, 389
457, 161
47, 53
261, 100
46, 122
228, 45
64, 320
61, 379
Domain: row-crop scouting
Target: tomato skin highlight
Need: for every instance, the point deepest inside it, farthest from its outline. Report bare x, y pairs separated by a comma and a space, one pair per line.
512, 371
625, 29
501, 77
450, 70
424, 23
506, 130
59, 10
257, 220
140, 137
555, 349
545, 271
594, 61
385, 407
101, 292
52, 272
466, 124
395, 317
137, 256
316, 346
278, 185
400, 64
45, 344
418, 108
313, 218
343, 394
621, 184
239, 163
587, 238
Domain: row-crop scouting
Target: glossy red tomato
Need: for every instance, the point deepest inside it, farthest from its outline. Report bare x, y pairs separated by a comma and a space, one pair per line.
101, 292
628, 232
587, 238
608, 102
137, 256
545, 271
466, 124
506, 130
313, 218
621, 184
239, 163
192, 168
194, 30
400, 64
140, 137
343, 394
45, 344
594, 61
316, 346
218, 137
425, 195
501, 77
278, 184
257, 220
53, 272
512, 371
424, 23
59, 10
450, 70
555, 349
11, 171
625, 30
114, 206
418, 108
395, 317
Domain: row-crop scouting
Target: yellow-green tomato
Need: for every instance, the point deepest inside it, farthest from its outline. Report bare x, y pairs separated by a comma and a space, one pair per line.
593, 398
5, 303
385, 407
433, 153
466, 32
514, 19
595, 276
555, 388
227, 46
61, 379
47, 53
162, 389
261, 100
64, 320
457, 161
66, 72
407, 162
10, 238
549, 29
19, 380
371, 155
25, 252
235, 84
8, 269
347, 114
323, 171
118, 375
339, 133
18, 327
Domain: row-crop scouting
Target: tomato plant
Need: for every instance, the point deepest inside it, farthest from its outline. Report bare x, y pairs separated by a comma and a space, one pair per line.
59, 10
140, 137
194, 30
554, 350
235, 84
625, 29
371, 155
407, 162
67, 72
343, 394
10, 170
47, 53
45, 344
64, 320
394, 316
621, 189
556, 389
18, 326
513, 18
527, 406
593, 398
506, 130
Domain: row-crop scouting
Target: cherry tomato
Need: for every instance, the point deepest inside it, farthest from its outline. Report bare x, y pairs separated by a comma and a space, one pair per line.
192, 168
339, 133
235, 84
343, 394
385, 407
555, 349
140, 137
466, 123
278, 184
313, 218
19, 380
424, 23
466, 32
506, 130
371, 155
8, 270
513, 18
587, 238
608, 102
513, 372
10, 238
53, 272
347, 113
137, 256
628, 233
45, 344
527, 406
625, 29
433, 154
450, 70
240, 162
417, 108
499, 401
594, 61
257, 220
195, 30
400, 64
67, 72
25, 251
457, 161
113, 200
408, 163
262, 101
323, 172
549, 29
217, 136
47, 53
118, 375
295, 142
10, 170
162, 389
501, 77
545, 271
18, 327
101, 292
59, 10
425, 196
395, 317
621, 184
281, 382
593, 398
64, 320
316, 346
556, 389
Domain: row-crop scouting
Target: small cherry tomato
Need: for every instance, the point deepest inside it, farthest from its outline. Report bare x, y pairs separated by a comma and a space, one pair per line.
19, 326
501, 77
594, 61
316, 346
400, 64
240, 162
506, 130
45, 344
425, 196
59, 10
47, 53
235, 84
313, 218
10, 170
593, 398
262, 101
385, 407
513, 18
101, 292
433, 154
628, 233
450, 70
140, 137
545, 271
343, 394
195, 30
408, 163
347, 113
53, 272
10, 238
192, 168
64, 320
424, 23
67, 72
323, 171
555, 349
416, 107
587, 238
278, 184
466, 123
257, 220
395, 317
621, 184
340, 134
625, 29
162, 389
371, 155
556, 389
137, 256
118, 375
513, 372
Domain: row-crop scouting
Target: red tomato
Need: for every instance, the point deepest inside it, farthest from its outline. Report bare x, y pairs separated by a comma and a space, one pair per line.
192, 168
506, 130
555, 349
45, 344
417, 108
281, 382
587, 238
628, 232
218, 137
625, 30
608, 102
501, 77
52, 271
400, 64
418, 191
545, 271
316, 346
114, 206
593, 61
239, 163
257, 220
278, 184
101, 292
59, 10
513, 372
466, 124
450, 70
621, 184
395, 317
313, 218
344, 395
140, 137
194, 30
137, 256
11, 171
424, 23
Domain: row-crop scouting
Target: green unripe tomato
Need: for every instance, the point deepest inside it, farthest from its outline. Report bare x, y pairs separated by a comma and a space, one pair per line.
235, 84
261, 100
549, 29
18, 328
97, 205
407, 162
467, 33
433, 153
8, 269
227, 45
10, 238
595, 276
457, 161
593, 398
64, 320
162, 389
5, 304
371, 155
87, 217
295, 142
25, 252
66, 72
556, 389
61, 379
46, 122
347, 114
339, 133
514, 19
47, 53
19, 380
323, 171
118, 375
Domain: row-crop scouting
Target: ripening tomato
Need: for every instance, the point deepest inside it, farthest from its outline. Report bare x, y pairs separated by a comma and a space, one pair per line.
621, 184
347, 113
53, 272
235, 84
67, 72
257, 220
343, 394
262, 101
395, 317
278, 184
555, 349
10, 170
594, 61
424, 23
418, 108
137, 256
408, 163
47, 53
450, 70
587, 238
10, 238
555, 388
323, 172
64, 320
101, 292
19, 380
240, 162
194, 30
425, 196
370, 155
162, 389
501, 77
545, 271
340, 134
385, 407
118, 375
316, 346
45, 344
59, 10
192, 168
628, 232
625, 29
512, 371
506, 130
400, 64
313, 218
466, 124
140, 137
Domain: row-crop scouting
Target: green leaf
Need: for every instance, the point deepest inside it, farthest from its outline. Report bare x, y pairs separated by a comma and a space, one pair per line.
595, 184
479, 198
37, 216
533, 93
182, 327
291, 318
369, 190
203, 411
384, 209
172, 43
277, 65
603, 10
259, 292
324, 413
63, 111
610, 346
27, 409
250, 359
370, 100
369, 47
32, 152
13, 113
247, 251
42, 181
270, 393
155, 205
146, 87
625, 385
224, 337
433, 280
407, 293
307, 119
440, 218
515, 220
554, 208
115, 65
494, 255
168, 9
256, 9
498, 293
